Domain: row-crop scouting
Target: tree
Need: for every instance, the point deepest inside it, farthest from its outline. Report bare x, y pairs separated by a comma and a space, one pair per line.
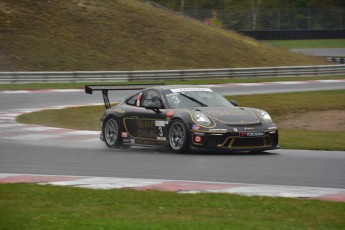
266, 14
255, 6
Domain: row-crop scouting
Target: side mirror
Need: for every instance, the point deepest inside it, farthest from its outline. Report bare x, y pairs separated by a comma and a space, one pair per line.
155, 106
234, 103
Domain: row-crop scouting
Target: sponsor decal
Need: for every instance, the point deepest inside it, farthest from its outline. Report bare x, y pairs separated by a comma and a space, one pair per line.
146, 128
250, 128
145, 124
195, 127
160, 123
161, 138
126, 141
150, 142
252, 134
226, 112
199, 134
197, 139
132, 141
218, 130
124, 134
235, 129
190, 90
147, 133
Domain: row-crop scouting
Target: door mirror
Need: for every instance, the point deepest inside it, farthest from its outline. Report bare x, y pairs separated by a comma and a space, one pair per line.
234, 103
154, 105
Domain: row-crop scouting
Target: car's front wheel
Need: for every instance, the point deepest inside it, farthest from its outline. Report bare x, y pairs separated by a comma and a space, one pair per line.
178, 136
112, 132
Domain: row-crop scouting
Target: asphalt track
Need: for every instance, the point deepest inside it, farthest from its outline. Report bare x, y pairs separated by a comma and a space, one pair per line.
17, 100
91, 158
323, 52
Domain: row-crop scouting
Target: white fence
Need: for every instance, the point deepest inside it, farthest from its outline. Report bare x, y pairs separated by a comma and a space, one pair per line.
161, 75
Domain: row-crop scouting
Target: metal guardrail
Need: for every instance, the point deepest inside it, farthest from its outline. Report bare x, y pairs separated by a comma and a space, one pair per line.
161, 75
340, 60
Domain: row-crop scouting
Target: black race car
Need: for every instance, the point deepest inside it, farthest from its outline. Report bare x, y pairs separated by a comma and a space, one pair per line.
184, 117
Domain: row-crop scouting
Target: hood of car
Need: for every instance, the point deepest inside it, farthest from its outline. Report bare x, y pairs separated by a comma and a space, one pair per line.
231, 115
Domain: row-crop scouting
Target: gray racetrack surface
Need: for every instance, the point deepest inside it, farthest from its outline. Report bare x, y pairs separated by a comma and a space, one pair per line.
279, 167
324, 52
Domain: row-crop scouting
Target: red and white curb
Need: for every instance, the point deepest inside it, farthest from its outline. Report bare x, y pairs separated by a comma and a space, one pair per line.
328, 194
214, 85
11, 130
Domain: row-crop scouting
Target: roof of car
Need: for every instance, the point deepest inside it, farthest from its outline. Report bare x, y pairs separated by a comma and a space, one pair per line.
165, 87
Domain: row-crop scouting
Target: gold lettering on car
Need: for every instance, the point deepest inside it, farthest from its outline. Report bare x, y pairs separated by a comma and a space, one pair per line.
149, 133
146, 128
217, 113
119, 110
145, 124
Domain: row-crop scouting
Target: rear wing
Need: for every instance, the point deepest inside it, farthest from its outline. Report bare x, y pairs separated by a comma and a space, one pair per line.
105, 88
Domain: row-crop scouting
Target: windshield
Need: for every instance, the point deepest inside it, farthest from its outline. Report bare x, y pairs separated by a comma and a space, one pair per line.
194, 97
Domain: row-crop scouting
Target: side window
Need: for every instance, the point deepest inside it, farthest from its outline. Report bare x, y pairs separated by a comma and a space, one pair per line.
148, 97
132, 100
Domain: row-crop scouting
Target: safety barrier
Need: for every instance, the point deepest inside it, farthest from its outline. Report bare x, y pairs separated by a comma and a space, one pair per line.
340, 60
161, 75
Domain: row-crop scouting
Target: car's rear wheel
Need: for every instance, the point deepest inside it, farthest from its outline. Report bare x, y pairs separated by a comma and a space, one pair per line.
112, 132
178, 136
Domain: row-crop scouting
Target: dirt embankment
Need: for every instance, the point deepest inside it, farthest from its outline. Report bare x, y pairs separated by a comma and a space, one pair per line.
332, 120
60, 35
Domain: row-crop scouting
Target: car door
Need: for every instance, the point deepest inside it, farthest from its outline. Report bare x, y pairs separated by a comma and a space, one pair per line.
148, 126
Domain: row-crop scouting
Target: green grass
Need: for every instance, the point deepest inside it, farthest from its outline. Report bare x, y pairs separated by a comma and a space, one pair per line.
314, 43
38, 86
311, 140
278, 105
123, 35
281, 104
82, 118
25, 206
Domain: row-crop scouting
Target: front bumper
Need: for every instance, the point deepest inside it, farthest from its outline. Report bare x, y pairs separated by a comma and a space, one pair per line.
237, 141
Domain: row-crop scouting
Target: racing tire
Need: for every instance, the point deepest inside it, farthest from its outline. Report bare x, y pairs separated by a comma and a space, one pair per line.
178, 136
111, 132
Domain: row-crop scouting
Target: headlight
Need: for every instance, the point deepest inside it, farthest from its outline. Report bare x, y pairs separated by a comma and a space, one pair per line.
201, 119
264, 115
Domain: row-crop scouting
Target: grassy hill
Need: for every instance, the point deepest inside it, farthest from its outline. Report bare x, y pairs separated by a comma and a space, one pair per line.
122, 35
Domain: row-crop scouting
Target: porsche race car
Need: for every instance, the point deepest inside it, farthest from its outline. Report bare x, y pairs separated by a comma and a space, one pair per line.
182, 118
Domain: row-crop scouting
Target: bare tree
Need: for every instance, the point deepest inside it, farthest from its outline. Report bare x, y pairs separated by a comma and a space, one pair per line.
255, 6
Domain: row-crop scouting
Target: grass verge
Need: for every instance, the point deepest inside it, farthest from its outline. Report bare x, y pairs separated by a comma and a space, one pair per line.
39, 86
312, 44
311, 140
25, 206
279, 105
